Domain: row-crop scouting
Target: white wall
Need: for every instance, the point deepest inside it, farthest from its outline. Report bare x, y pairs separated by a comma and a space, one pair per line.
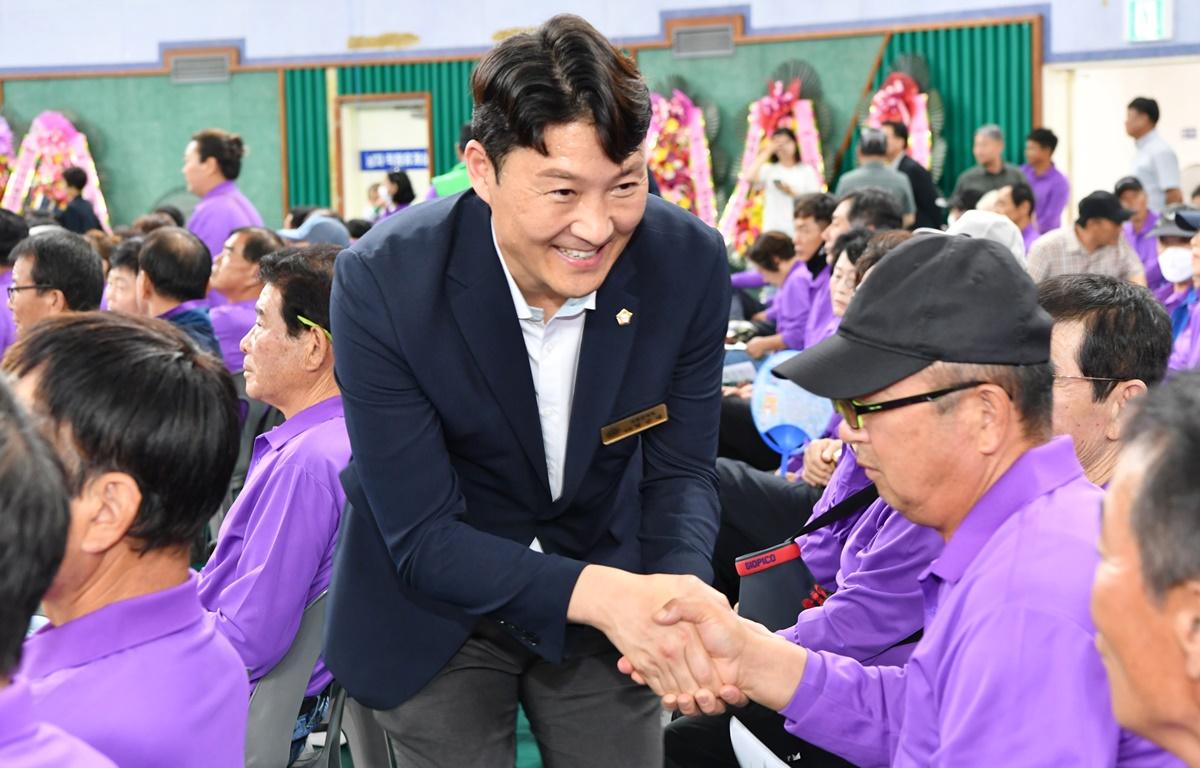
1085, 105
118, 33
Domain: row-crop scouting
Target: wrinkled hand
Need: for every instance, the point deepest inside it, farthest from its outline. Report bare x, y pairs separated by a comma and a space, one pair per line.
758, 346
820, 460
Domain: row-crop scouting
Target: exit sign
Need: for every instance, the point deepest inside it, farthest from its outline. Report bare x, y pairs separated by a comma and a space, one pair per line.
1148, 21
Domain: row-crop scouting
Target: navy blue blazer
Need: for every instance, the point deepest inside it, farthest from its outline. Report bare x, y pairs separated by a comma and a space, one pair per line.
448, 484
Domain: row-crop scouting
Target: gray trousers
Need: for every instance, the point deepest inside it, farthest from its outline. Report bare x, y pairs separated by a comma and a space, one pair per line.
583, 712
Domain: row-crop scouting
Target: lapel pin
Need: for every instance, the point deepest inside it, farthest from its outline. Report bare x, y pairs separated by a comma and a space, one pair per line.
624, 317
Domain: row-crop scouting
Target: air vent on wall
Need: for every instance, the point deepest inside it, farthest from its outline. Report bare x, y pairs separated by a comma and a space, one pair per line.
695, 42
206, 68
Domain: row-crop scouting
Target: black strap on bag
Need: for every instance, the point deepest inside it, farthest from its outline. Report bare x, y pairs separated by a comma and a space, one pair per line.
846, 508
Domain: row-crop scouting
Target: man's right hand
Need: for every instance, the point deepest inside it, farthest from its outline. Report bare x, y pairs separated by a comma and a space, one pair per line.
820, 460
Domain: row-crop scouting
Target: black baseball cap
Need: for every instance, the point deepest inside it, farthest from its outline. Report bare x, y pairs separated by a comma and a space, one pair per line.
1102, 205
951, 298
1127, 184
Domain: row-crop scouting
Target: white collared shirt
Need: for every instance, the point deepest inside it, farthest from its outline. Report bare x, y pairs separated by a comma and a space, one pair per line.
553, 349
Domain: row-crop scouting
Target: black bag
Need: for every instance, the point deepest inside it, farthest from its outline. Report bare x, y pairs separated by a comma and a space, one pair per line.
776, 585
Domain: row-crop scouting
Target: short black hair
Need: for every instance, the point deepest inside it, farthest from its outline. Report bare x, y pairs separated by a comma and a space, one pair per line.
34, 514
258, 242
851, 244
297, 215
65, 261
13, 229
872, 142
1128, 333
404, 188
817, 206
125, 255
304, 279
170, 210
358, 227
1148, 107
563, 71
75, 177
1165, 425
770, 250
1023, 193
1043, 137
226, 147
967, 199
875, 209
899, 129
177, 263
464, 136
136, 395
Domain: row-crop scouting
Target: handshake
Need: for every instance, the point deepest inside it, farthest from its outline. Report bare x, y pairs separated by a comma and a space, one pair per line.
679, 636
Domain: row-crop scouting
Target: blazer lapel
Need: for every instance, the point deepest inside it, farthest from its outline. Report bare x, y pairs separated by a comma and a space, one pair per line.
603, 359
483, 308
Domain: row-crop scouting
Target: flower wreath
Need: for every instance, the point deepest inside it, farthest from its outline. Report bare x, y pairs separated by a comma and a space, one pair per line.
51, 145
677, 149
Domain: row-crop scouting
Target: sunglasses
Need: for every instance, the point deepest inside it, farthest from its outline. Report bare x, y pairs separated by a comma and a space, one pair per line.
853, 410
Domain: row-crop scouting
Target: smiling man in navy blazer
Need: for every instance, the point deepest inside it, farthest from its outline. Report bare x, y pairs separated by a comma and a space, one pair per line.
531, 379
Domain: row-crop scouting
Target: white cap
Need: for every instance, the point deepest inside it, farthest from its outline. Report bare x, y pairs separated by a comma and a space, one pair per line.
987, 226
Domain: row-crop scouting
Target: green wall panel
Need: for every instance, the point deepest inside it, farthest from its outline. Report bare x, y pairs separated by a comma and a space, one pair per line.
308, 137
138, 127
447, 82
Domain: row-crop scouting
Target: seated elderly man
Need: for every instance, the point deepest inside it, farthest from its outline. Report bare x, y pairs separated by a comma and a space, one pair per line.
146, 426
235, 276
1146, 595
275, 548
34, 507
172, 283
964, 448
53, 273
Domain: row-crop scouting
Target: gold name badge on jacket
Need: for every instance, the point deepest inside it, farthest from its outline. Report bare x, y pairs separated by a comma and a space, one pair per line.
631, 425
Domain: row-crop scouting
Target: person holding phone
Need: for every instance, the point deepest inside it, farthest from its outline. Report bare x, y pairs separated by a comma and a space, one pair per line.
781, 175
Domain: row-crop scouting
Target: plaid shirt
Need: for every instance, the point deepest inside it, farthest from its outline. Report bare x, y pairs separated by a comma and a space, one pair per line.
1059, 252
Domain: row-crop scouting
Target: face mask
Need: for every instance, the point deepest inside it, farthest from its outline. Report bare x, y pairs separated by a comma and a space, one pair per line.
1176, 263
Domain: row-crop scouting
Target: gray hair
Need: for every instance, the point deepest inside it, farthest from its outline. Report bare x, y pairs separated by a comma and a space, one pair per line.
1030, 387
872, 142
992, 131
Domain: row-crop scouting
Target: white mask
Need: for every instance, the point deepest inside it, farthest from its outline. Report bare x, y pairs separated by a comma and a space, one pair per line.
1176, 263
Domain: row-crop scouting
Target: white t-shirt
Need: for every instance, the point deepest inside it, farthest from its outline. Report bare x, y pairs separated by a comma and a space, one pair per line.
777, 204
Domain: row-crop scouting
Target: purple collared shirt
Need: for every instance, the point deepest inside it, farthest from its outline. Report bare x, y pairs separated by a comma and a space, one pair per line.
219, 212
1007, 672
275, 549
1146, 247
1051, 191
791, 305
1185, 353
820, 309
147, 681
27, 743
230, 323
877, 602
8, 328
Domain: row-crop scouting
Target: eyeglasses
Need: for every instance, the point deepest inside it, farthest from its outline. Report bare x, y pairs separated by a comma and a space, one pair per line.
304, 320
12, 289
1058, 376
853, 411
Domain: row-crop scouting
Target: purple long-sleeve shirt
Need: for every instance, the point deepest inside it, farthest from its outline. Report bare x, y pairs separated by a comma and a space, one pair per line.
877, 602
27, 743
1051, 190
1007, 672
8, 328
1146, 247
790, 309
820, 311
147, 681
230, 323
822, 549
219, 212
275, 548
1185, 353
747, 278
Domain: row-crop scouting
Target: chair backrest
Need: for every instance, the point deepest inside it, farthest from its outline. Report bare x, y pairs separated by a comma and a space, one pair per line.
276, 700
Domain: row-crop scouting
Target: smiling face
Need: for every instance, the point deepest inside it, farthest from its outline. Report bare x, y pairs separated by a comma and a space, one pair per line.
561, 220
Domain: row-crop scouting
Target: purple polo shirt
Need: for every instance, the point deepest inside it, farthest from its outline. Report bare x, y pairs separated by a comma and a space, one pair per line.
1007, 672
877, 600
275, 549
791, 305
219, 212
822, 550
230, 323
8, 328
820, 309
1185, 353
147, 681
1051, 191
1146, 247
27, 743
